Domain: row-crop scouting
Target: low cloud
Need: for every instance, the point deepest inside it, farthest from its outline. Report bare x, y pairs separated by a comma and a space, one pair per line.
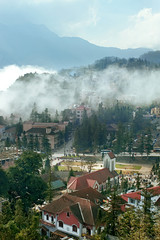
58, 91
9, 74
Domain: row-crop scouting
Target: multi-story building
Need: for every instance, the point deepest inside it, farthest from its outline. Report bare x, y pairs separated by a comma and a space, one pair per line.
50, 130
71, 215
155, 111
80, 110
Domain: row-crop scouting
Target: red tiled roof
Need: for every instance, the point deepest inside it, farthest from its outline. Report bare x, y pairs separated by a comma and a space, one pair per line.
91, 182
154, 190
83, 209
82, 182
89, 193
71, 179
133, 195
125, 198
111, 155
137, 195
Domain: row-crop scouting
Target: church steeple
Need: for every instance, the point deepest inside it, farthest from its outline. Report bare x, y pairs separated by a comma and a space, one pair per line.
109, 161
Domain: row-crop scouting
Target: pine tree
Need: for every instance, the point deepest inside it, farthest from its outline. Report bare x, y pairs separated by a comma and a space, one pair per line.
138, 181
111, 218
46, 146
120, 143
128, 224
148, 144
31, 143
141, 146
36, 144
49, 190
71, 173
47, 165
147, 214
19, 218
24, 141
4, 185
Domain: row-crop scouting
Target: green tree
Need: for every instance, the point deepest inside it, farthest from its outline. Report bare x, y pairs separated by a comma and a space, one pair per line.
19, 218
19, 143
7, 142
4, 185
2, 121
36, 144
119, 145
56, 119
7, 213
124, 184
138, 181
18, 225
71, 173
148, 144
24, 141
49, 196
31, 231
148, 219
19, 128
108, 186
34, 113
30, 162
47, 165
141, 145
31, 142
130, 143
30, 188
46, 146
128, 224
25, 182
111, 218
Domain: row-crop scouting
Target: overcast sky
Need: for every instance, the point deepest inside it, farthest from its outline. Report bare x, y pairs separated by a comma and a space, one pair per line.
118, 23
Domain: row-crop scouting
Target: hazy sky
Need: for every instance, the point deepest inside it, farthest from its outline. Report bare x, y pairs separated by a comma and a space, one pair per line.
120, 23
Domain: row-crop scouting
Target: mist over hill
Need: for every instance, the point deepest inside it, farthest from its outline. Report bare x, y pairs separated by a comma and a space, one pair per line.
29, 44
58, 91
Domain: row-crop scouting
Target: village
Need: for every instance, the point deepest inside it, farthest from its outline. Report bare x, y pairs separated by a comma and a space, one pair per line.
82, 183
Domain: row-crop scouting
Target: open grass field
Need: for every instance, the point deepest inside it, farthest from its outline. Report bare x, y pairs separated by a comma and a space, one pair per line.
65, 168
123, 166
77, 166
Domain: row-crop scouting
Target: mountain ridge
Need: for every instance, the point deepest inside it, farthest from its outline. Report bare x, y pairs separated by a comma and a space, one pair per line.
31, 44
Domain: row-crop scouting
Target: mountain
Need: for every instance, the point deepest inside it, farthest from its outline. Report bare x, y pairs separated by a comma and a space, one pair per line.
151, 56
29, 44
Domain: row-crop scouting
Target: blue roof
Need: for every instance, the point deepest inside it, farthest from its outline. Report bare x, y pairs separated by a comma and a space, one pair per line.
57, 184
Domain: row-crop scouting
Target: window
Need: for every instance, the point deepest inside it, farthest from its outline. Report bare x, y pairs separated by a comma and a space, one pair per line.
132, 200
61, 224
74, 228
47, 217
68, 215
52, 218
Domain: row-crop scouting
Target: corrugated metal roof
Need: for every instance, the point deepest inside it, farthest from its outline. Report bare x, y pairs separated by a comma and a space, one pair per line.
57, 184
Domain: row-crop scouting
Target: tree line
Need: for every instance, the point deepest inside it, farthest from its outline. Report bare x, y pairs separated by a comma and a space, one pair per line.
22, 188
132, 132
